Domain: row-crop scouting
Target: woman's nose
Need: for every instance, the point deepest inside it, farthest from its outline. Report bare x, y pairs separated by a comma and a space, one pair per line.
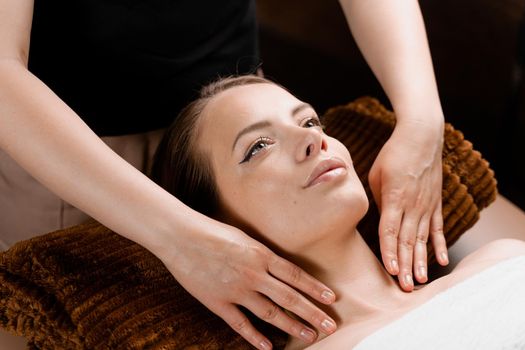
311, 142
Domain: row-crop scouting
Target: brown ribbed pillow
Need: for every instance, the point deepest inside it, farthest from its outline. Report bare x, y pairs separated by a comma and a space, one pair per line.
88, 288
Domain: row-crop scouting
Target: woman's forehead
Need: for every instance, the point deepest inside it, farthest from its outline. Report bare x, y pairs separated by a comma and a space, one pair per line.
231, 111
242, 105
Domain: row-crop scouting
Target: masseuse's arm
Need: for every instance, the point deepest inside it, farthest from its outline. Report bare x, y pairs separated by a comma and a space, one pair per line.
218, 264
406, 177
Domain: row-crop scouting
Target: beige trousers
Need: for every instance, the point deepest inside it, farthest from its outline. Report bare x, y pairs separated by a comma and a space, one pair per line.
28, 209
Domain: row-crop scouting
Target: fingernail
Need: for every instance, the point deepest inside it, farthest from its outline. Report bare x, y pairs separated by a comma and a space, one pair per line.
266, 345
408, 280
328, 325
327, 296
393, 265
307, 335
444, 257
422, 271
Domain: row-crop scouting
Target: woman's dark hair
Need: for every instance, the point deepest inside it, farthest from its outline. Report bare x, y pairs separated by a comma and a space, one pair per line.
178, 166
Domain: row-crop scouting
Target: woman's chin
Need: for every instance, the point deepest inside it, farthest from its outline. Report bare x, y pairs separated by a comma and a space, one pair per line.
340, 214
349, 201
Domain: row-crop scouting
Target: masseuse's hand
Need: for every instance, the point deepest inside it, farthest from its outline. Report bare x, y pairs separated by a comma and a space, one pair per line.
224, 268
406, 181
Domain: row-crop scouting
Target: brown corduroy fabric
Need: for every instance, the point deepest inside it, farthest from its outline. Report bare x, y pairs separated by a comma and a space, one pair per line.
88, 288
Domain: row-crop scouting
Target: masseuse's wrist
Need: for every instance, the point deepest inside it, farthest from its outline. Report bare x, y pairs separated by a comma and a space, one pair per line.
423, 135
422, 124
422, 107
184, 230
165, 229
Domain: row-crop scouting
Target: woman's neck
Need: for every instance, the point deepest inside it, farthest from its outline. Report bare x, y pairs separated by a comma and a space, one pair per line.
364, 289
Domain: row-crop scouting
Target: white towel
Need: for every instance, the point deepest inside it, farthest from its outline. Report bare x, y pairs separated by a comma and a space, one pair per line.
486, 311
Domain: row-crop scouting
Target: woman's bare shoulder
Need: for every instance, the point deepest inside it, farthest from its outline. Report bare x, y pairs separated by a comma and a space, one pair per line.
488, 255
492, 253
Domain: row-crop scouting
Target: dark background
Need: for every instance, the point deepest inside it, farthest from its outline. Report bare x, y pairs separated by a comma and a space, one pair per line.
478, 58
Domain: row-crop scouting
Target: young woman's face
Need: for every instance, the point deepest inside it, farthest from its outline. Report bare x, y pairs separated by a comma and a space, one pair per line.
276, 172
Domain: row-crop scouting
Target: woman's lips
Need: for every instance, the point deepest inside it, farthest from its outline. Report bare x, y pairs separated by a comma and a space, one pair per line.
326, 170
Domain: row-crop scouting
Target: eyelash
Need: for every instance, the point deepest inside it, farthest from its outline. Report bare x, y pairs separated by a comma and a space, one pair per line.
315, 119
252, 149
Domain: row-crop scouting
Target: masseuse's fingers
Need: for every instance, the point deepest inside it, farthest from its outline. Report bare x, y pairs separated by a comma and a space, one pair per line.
291, 300
294, 276
240, 323
420, 250
438, 238
270, 312
222, 267
406, 180
388, 235
406, 243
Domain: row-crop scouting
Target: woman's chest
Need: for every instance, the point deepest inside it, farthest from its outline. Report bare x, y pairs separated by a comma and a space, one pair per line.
353, 332
477, 304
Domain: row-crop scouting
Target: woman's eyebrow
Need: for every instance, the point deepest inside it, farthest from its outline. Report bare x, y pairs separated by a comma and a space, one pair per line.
300, 107
266, 123
250, 128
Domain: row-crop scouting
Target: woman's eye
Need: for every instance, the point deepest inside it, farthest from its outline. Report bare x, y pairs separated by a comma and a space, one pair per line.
257, 147
311, 122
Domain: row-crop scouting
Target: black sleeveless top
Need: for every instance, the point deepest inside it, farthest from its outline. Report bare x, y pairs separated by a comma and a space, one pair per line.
128, 66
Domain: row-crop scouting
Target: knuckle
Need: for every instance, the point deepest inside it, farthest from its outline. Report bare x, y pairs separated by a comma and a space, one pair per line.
271, 313
394, 195
437, 231
260, 253
240, 325
289, 300
295, 274
250, 274
249, 278
273, 259
407, 242
420, 200
421, 239
389, 232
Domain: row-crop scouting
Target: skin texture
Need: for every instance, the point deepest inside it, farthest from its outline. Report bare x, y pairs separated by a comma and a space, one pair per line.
267, 195
287, 151
314, 226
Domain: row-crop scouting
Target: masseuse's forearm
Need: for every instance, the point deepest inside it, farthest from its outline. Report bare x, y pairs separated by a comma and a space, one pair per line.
52, 143
392, 37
